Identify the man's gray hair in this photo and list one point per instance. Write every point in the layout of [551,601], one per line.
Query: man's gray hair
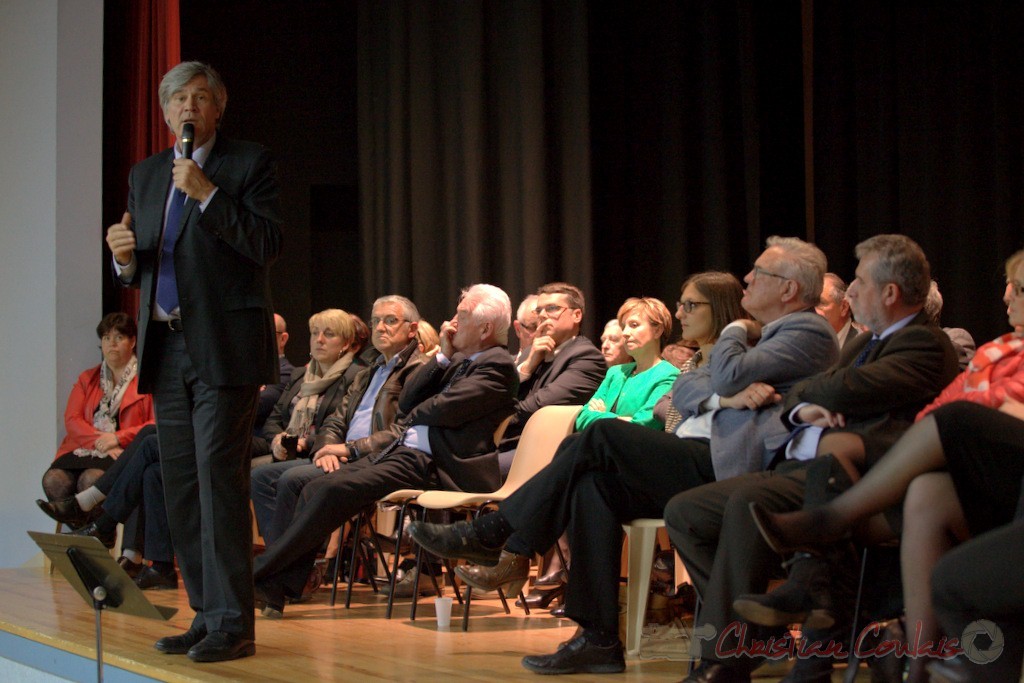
[409,310]
[838,287]
[179,76]
[805,264]
[490,304]
[525,306]
[901,262]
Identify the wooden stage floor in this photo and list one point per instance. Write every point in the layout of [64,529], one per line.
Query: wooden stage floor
[313,641]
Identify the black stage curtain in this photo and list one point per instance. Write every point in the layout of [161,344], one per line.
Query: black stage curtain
[917,130]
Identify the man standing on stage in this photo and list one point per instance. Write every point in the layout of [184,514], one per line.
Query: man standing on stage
[199,237]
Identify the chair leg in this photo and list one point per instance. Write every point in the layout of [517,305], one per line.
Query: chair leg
[465,608]
[853,663]
[353,565]
[451,577]
[641,559]
[337,575]
[694,643]
[397,559]
[416,593]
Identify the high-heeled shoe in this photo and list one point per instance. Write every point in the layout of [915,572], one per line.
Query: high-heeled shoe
[801,531]
[66,511]
[540,599]
[555,577]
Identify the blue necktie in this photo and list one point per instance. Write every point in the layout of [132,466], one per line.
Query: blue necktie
[863,357]
[167,283]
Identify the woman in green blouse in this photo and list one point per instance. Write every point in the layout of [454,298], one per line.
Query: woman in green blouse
[629,391]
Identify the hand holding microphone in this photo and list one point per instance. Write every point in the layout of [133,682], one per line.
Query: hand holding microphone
[187,175]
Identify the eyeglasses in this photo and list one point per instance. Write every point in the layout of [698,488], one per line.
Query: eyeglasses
[1016,287]
[759,271]
[551,310]
[388,320]
[688,305]
[113,338]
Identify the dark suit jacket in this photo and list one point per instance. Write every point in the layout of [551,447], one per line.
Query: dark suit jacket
[570,378]
[462,419]
[222,257]
[385,405]
[879,399]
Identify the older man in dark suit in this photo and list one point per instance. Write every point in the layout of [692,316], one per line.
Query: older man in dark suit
[856,409]
[448,412]
[199,237]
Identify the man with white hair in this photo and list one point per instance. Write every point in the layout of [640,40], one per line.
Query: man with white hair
[448,411]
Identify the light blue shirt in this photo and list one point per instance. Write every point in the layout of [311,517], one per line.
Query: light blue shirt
[362,421]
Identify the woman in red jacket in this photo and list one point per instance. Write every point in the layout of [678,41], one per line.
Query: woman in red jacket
[104,412]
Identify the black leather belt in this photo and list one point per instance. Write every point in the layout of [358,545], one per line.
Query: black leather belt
[175,325]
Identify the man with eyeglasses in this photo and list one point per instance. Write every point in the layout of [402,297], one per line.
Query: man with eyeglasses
[614,471]
[562,367]
[362,423]
[441,437]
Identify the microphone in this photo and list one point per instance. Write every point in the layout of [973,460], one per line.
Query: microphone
[188,136]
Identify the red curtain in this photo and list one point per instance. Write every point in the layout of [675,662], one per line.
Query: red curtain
[153,47]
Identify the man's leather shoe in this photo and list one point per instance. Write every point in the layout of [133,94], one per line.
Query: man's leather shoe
[717,672]
[130,568]
[409,583]
[270,599]
[454,541]
[179,645]
[510,574]
[579,656]
[66,511]
[108,539]
[221,646]
[151,577]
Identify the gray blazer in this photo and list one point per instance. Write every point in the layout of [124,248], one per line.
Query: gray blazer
[791,348]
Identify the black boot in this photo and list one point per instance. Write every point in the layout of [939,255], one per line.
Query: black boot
[805,598]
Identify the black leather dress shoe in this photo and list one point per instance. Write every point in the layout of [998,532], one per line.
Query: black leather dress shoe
[221,646]
[454,541]
[716,672]
[179,645]
[579,656]
[153,578]
[107,538]
[66,511]
[132,569]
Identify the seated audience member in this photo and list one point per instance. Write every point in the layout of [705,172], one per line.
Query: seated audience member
[973,430]
[525,326]
[104,413]
[614,471]
[835,308]
[448,411]
[613,346]
[362,423]
[138,485]
[562,367]
[427,338]
[629,391]
[854,409]
[678,353]
[313,395]
[270,393]
[962,340]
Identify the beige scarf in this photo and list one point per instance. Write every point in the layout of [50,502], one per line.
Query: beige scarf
[314,384]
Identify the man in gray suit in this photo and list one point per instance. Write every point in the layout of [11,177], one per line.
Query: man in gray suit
[614,471]
[858,409]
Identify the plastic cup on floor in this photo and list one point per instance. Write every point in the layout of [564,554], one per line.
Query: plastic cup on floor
[443,610]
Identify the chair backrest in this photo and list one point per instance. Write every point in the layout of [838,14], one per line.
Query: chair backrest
[499,433]
[545,429]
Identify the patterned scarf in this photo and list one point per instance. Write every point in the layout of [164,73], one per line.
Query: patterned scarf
[314,384]
[105,419]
